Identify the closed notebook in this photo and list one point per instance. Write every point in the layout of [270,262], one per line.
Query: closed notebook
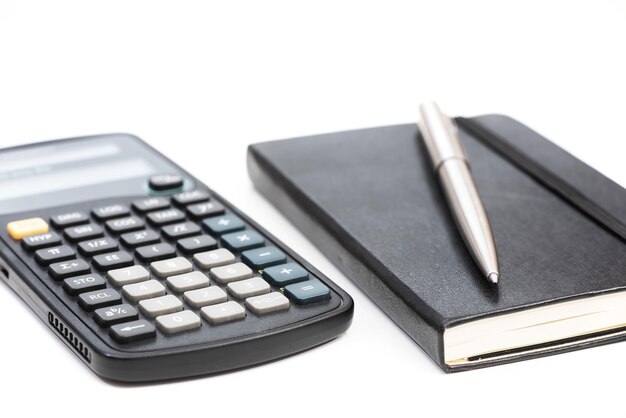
[370,201]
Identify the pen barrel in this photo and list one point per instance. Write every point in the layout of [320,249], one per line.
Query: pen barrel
[469,213]
[440,135]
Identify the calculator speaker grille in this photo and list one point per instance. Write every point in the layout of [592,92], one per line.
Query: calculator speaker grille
[69,336]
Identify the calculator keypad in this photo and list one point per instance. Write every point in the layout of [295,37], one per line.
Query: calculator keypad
[157,264]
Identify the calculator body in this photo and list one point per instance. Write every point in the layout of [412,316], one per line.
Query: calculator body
[65,183]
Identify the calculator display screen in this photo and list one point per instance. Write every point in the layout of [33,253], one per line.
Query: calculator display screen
[43,175]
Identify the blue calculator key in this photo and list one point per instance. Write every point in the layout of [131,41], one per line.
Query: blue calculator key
[307,292]
[222,224]
[263,257]
[243,240]
[285,274]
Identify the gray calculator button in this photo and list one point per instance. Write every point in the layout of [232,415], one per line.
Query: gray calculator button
[187,281]
[161,305]
[151,203]
[128,275]
[270,302]
[231,273]
[110,211]
[171,267]
[224,312]
[214,258]
[247,288]
[178,322]
[205,296]
[143,290]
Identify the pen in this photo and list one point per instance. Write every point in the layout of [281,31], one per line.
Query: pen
[453,170]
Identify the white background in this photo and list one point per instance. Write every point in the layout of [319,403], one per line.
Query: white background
[202,80]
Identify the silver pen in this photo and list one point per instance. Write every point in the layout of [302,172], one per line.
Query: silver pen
[452,169]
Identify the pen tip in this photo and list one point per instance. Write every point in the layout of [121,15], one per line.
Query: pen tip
[493,278]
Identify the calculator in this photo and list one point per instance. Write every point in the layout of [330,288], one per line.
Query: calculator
[144,272]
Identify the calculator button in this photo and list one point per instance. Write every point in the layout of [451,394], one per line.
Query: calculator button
[34,242]
[128,275]
[160,306]
[205,296]
[113,260]
[23,227]
[247,288]
[135,239]
[99,299]
[132,331]
[84,283]
[194,196]
[69,219]
[115,315]
[82,232]
[129,223]
[205,209]
[144,290]
[167,216]
[222,224]
[223,312]
[231,273]
[307,292]
[155,252]
[182,230]
[263,257]
[46,256]
[196,244]
[214,258]
[243,240]
[63,269]
[151,203]
[285,274]
[110,211]
[165,182]
[178,322]
[187,281]
[270,302]
[171,267]
[97,246]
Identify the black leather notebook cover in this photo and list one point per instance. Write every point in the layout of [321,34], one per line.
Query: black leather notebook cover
[370,201]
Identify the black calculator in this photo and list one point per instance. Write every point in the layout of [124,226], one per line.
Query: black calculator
[144,272]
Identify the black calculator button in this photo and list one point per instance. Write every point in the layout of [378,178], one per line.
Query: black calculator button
[129,223]
[167,216]
[84,283]
[263,257]
[194,196]
[113,260]
[63,269]
[110,211]
[115,315]
[243,240]
[134,239]
[307,292]
[83,232]
[161,182]
[155,252]
[223,224]
[69,219]
[97,246]
[181,230]
[46,256]
[205,209]
[90,301]
[34,242]
[133,331]
[196,244]
[151,203]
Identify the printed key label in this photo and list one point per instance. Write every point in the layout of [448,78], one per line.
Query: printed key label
[84,280]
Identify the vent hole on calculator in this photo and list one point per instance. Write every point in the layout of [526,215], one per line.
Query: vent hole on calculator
[69,336]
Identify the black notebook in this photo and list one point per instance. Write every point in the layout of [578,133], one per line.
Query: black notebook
[370,201]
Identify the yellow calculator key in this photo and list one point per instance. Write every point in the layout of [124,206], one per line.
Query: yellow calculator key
[23,227]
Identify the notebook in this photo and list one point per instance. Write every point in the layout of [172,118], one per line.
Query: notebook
[370,201]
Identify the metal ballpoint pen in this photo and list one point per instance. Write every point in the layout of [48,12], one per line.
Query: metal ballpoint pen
[452,169]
